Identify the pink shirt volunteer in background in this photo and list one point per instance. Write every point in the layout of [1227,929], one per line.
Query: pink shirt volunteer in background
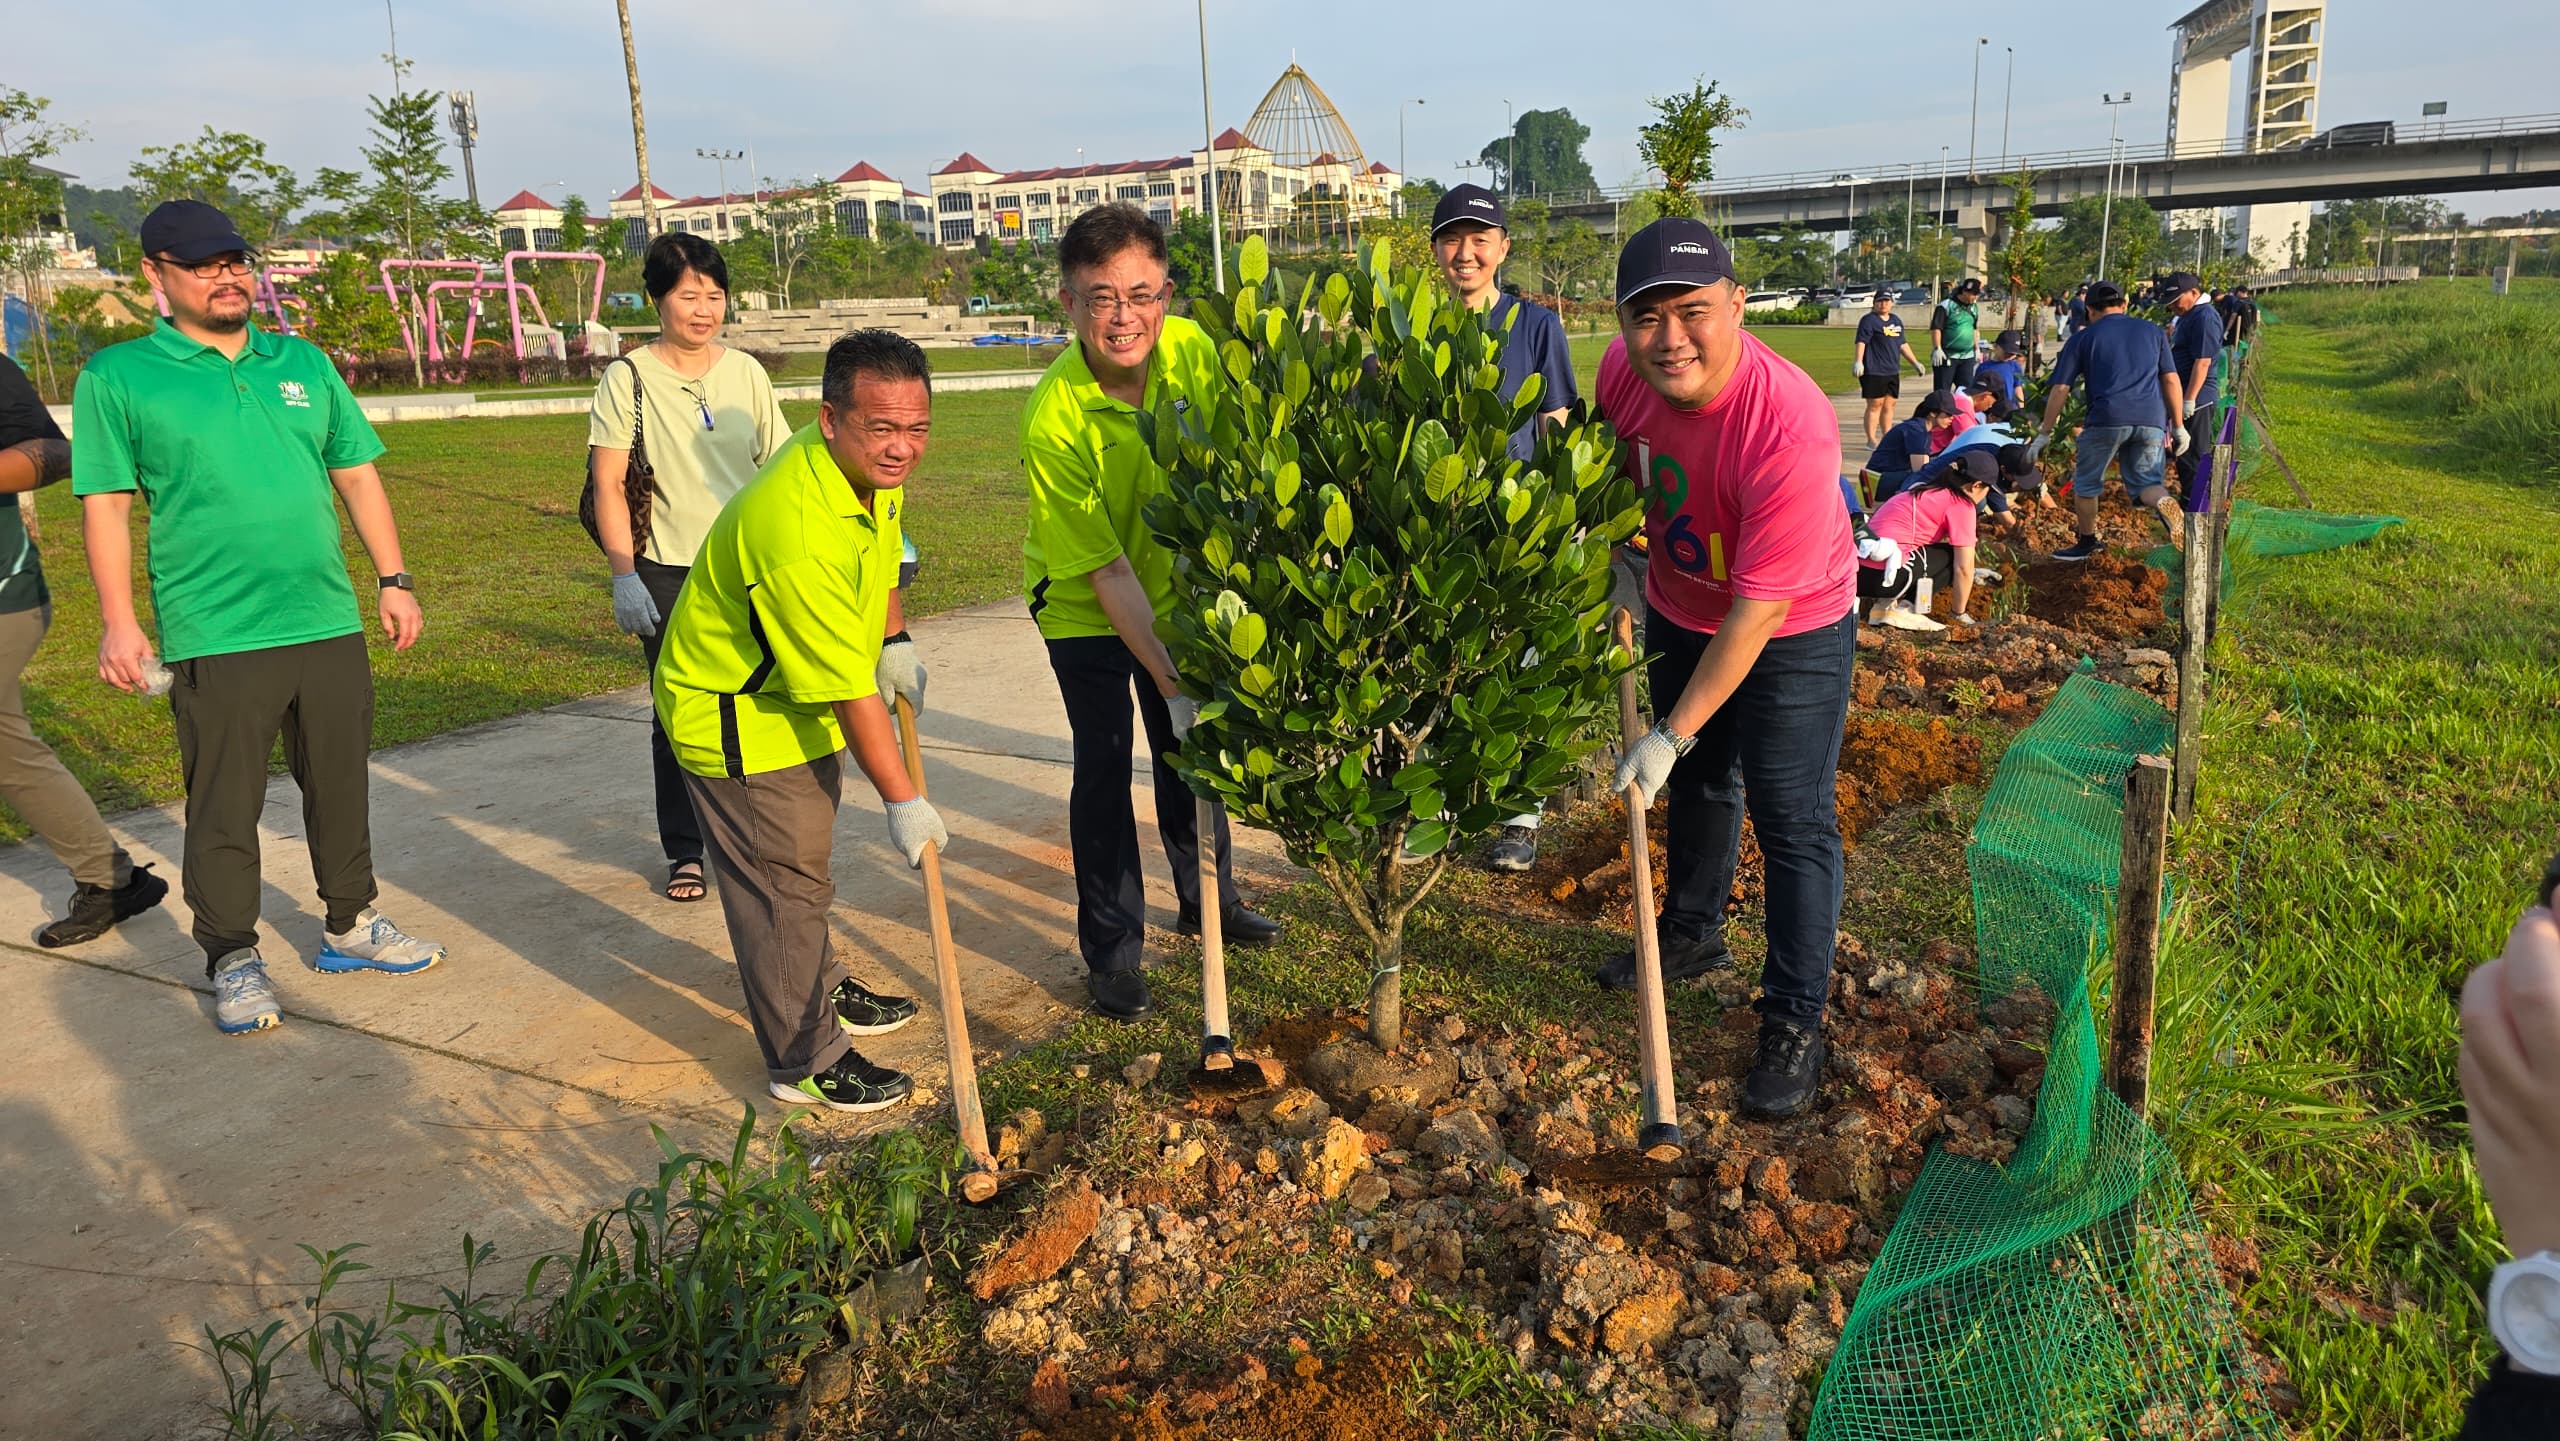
[1745,494]
[1916,518]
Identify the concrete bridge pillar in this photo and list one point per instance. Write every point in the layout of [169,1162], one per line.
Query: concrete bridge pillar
[1973,227]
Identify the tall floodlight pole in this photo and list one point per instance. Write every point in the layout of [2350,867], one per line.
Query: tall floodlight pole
[1510,151]
[1910,203]
[1400,170]
[722,157]
[1217,248]
[1938,262]
[2107,212]
[463,114]
[2008,93]
[639,126]
[1973,121]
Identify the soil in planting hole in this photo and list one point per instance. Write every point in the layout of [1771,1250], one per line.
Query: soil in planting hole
[1358,1398]
[2111,595]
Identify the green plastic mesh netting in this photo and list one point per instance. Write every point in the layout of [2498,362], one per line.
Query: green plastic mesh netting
[2071,1293]
[2259,532]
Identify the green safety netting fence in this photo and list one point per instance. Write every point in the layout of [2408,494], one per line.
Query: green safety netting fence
[2262,531]
[2071,1292]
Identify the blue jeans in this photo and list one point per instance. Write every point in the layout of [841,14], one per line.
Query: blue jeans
[2137,446]
[1772,749]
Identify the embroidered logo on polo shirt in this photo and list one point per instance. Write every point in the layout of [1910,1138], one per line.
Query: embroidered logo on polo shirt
[294,393]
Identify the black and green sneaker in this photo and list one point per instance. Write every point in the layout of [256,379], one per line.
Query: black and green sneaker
[851,1084]
[867,1013]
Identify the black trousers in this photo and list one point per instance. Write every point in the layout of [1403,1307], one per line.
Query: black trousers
[1937,562]
[1095,677]
[230,709]
[679,829]
[2202,431]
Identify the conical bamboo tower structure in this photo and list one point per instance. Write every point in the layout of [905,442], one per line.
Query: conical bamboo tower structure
[1310,143]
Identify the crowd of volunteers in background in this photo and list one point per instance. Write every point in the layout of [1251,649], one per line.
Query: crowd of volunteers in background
[763,569]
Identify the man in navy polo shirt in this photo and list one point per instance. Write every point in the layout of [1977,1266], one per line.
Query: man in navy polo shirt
[1470,237]
[2134,394]
[2195,344]
[1878,360]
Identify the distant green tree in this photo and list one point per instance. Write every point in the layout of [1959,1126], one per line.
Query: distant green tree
[1546,146]
[397,206]
[30,202]
[1187,250]
[224,168]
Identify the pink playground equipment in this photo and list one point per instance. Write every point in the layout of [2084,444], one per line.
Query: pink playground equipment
[588,327]
[471,291]
[279,295]
[410,308]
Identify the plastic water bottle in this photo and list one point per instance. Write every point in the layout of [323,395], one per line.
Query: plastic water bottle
[1927,593]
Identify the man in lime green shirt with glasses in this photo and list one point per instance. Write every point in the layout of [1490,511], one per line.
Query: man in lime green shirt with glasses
[1097,579]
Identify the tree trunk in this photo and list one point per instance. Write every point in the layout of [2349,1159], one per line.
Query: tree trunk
[639,126]
[1386,989]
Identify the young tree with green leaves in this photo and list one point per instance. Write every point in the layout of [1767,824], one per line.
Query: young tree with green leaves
[30,201]
[227,169]
[1681,143]
[398,205]
[1397,631]
[2022,258]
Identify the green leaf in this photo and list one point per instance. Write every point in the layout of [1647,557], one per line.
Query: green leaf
[1247,635]
[1427,838]
[1444,477]
[1284,486]
[1337,518]
[1256,680]
[1297,382]
[1238,359]
[1526,401]
[1253,262]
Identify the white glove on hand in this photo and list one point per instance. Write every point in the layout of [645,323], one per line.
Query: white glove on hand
[901,673]
[1186,713]
[1937,356]
[2175,440]
[633,610]
[1858,367]
[911,824]
[1884,552]
[2035,447]
[1647,764]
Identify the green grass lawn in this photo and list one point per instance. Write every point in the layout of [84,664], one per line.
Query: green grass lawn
[518,615]
[2381,785]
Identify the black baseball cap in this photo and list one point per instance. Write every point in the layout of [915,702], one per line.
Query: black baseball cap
[1936,402]
[2105,295]
[188,231]
[1968,286]
[1979,465]
[1462,204]
[1675,250]
[2179,283]
[2011,341]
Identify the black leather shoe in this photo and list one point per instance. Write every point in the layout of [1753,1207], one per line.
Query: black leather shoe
[1237,926]
[1788,1071]
[1121,995]
[1682,958]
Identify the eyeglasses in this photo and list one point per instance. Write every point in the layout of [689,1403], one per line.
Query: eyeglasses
[1139,300]
[217,267]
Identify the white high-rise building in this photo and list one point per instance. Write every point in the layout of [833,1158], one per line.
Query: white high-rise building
[2281,106]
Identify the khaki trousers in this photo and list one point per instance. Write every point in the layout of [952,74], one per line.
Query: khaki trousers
[771,839]
[32,778]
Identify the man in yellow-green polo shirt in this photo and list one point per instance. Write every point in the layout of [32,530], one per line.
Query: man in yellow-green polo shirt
[770,668]
[1096,581]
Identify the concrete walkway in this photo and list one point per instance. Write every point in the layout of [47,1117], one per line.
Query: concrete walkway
[156,1176]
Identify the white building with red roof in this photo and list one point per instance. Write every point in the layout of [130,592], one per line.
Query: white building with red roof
[1256,191]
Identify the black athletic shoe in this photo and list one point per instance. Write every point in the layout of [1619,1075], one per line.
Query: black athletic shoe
[1682,958]
[96,910]
[1515,850]
[1237,926]
[851,1084]
[1121,995]
[2079,550]
[1788,1071]
[863,1012]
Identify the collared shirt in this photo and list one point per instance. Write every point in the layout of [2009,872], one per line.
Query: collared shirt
[1534,344]
[22,418]
[2121,359]
[2194,336]
[233,456]
[1091,478]
[706,438]
[780,619]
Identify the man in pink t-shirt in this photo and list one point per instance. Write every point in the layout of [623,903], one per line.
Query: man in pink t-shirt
[1748,596]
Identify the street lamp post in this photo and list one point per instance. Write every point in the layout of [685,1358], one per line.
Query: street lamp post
[1209,137]
[1938,260]
[2107,212]
[1973,120]
[1510,151]
[1400,170]
[2008,93]
[723,157]
[1910,203]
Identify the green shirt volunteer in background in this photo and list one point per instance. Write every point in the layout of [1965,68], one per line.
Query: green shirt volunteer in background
[233,456]
[1091,478]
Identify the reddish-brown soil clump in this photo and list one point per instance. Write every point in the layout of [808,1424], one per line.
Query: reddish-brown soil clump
[2112,595]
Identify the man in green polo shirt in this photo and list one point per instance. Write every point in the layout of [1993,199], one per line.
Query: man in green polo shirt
[1097,579]
[243,443]
[770,668]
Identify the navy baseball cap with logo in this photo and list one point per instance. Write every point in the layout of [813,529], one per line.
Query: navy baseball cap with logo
[188,231]
[2179,283]
[1675,250]
[1462,204]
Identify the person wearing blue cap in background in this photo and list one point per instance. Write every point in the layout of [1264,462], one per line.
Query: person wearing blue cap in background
[2135,400]
[2195,345]
[1877,358]
[1470,238]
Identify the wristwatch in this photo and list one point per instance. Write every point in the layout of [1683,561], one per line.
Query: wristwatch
[400,581]
[2524,1312]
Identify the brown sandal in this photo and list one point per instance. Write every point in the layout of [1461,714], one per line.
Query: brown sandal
[684,882]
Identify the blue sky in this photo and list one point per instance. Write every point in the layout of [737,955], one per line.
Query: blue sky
[814,85]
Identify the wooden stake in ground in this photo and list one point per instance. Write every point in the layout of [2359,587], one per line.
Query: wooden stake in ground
[980,1181]
[1660,1139]
[1217,1043]
[2140,884]
[2201,574]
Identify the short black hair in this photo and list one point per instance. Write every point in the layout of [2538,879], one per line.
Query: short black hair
[880,354]
[674,253]
[1103,232]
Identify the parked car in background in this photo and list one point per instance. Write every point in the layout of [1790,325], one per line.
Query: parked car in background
[2361,132]
[1770,300]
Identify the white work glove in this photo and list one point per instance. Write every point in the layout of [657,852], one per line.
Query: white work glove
[900,672]
[911,824]
[1937,356]
[2175,439]
[1858,367]
[1647,764]
[2190,412]
[2035,447]
[1884,552]
[1185,712]
[633,610]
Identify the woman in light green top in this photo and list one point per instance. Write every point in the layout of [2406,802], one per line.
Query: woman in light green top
[708,421]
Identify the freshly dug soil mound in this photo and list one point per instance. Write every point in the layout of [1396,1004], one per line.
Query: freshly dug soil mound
[2112,595]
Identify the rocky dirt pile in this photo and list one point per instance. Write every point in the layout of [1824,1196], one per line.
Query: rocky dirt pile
[1498,1169]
